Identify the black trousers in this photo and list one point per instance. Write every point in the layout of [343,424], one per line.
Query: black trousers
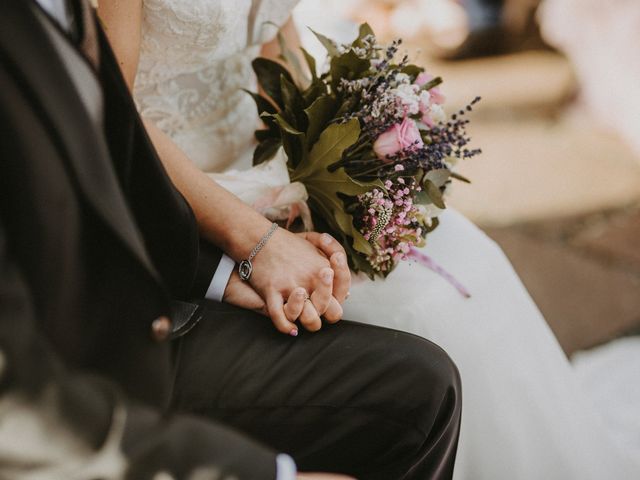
[355,399]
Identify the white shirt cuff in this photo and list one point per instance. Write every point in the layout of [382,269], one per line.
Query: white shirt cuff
[285,467]
[220,279]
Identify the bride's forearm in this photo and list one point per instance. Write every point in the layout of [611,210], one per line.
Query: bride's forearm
[223,218]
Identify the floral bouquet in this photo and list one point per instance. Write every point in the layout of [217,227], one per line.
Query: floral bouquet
[369,140]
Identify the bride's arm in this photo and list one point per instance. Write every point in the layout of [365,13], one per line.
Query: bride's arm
[287,261]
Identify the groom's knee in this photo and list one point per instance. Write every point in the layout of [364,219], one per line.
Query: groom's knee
[433,388]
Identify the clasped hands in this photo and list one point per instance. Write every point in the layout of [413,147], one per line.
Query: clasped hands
[302,276]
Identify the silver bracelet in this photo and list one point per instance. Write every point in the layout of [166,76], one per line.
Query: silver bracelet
[245,269]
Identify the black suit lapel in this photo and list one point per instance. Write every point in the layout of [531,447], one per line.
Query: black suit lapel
[25,47]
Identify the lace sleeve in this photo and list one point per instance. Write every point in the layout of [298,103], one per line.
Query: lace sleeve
[264,16]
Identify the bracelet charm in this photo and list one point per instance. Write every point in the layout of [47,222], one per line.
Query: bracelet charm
[245,268]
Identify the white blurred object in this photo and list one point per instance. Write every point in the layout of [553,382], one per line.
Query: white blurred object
[601,39]
[444,21]
[268,189]
[611,376]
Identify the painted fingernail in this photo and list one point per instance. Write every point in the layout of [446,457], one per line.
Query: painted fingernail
[326,239]
[294,332]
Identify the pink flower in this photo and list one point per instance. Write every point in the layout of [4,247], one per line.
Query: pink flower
[397,138]
[436,95]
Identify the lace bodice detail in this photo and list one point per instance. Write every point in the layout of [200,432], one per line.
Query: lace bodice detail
[195,61]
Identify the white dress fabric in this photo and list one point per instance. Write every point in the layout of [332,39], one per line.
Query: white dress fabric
[524,416]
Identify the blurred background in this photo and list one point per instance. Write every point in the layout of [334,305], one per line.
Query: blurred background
[558,184]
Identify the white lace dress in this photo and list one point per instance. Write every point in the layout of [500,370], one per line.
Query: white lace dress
[524,416]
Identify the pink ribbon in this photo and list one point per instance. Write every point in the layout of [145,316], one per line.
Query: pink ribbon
[430,263]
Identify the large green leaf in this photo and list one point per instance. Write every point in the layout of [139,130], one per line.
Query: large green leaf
[294,141]
[349,66]
[292,60]
[364,30]
[327,43]
[412,70]
[315,91]
[325,188]
[319,115]
[329,148]
[293,105]
[311,63]
[268,73]
[262,104]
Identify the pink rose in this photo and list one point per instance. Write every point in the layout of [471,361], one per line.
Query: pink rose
[398,138]
[436,94]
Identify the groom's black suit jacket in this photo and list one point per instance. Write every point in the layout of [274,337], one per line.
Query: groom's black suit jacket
[80,212]
[93,246]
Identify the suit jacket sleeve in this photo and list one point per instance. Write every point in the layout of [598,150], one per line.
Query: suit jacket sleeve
[163,215]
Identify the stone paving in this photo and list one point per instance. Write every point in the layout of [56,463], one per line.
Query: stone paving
[583,272]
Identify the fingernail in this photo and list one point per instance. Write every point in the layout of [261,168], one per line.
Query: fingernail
[326,239]
[294,332]
[327,278]
[339,259]
[301,294]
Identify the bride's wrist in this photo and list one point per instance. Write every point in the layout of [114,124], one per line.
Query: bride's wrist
[239,239]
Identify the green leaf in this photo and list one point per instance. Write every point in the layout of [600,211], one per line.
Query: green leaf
[364,30]
[327,43]
[316,90]
[292,60]
[439,176]
[434,224]
[422,198]
[293,141]
[268,73]
[432,83]
[434,194]
[266,150]
[293,105]
[325,187]
[319,115]
[348,66]
[265,134]
[311,63]
[459,177]
[262,103]
[412,70]
[329,148]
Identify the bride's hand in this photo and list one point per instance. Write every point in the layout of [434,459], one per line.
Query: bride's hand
[287,265]
[332,249]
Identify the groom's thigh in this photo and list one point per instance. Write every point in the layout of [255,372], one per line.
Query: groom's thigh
[351,398]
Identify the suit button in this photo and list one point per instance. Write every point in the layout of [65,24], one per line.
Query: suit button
[160,329]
